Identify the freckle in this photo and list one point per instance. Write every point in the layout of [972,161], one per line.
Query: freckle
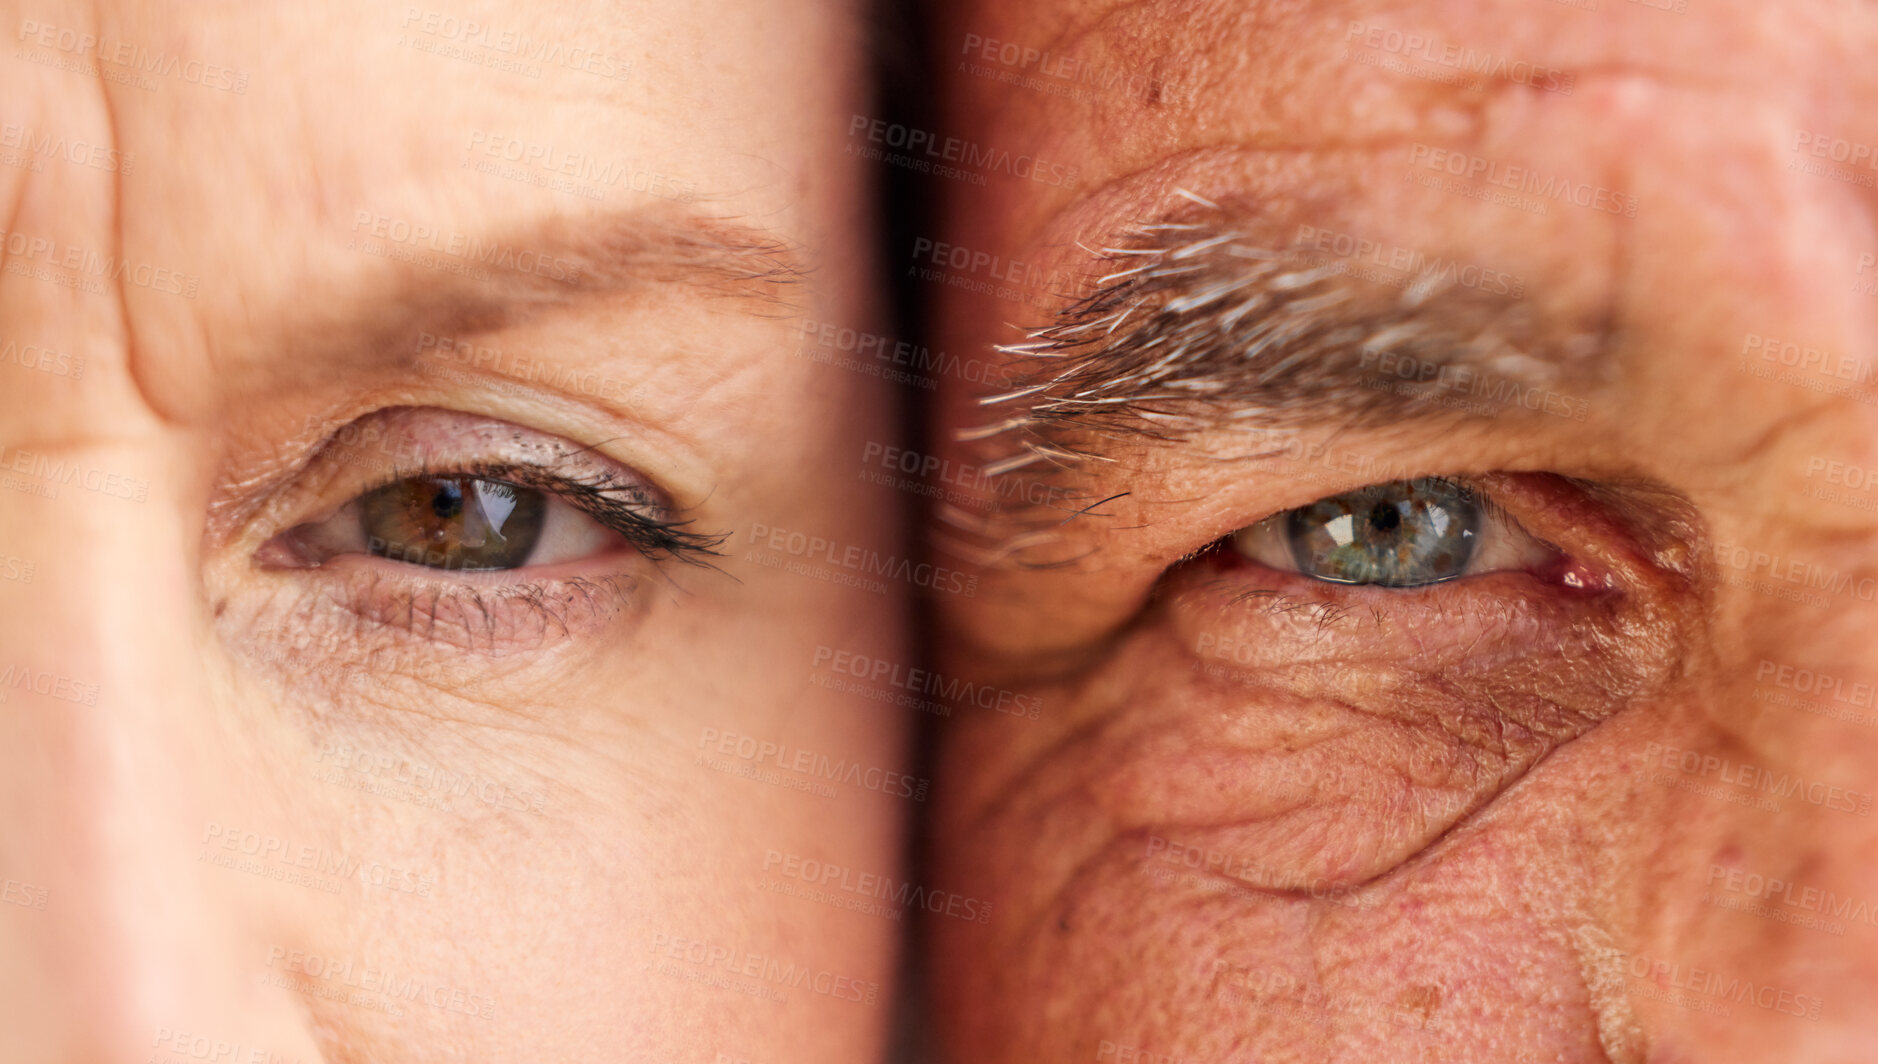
[1422,998]
[220,606]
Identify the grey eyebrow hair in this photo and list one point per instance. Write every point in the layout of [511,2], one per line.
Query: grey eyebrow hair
[1196,324]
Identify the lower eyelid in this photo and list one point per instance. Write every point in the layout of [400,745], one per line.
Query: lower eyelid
[487,613]
[1236,610]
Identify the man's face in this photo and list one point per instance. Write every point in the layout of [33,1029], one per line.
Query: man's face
[374,376]
[1442,542]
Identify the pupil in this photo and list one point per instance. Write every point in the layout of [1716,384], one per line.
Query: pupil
[1385,518]
[448,502]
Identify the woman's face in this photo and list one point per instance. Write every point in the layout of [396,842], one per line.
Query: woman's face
[417,606]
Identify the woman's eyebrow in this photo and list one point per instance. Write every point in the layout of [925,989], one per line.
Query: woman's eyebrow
[1198,325]
[450,285]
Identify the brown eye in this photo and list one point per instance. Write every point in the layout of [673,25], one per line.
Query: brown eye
[453,522]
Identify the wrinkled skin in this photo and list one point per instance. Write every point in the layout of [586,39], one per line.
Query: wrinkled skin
[261,810]
[1266,818]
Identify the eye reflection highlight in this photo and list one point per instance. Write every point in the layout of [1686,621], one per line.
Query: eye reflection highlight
[1402,534]
[453,522]
[1397,535]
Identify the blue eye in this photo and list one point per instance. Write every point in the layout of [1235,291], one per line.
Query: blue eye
[1402,534]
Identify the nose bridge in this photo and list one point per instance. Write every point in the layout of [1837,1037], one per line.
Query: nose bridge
[115,763]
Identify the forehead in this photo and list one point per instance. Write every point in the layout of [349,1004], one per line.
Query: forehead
[369,97]
[1121,86]
[1698,176]
[272,166]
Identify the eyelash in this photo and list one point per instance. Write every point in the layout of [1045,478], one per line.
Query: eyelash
[612,503]
[366,599]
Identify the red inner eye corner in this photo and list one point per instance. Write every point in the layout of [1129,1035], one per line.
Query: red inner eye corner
[1565,571]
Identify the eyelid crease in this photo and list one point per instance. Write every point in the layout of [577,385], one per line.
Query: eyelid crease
[392,444]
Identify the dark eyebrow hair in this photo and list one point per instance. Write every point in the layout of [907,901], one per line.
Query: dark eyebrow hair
[1196,324]
[377,321]
[570,259]
[482,284]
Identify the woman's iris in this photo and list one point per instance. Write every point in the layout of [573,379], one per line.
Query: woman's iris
[453,522]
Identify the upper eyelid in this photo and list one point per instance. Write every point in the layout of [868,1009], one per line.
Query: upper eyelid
[606,490]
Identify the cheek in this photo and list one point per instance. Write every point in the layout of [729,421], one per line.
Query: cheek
[1256,778]
[1309,754]
[1458,958]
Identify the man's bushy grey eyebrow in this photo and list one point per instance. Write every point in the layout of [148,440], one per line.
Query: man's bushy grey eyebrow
[1196,324]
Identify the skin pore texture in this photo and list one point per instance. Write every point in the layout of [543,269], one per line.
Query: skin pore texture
[272,796]
[1528,814]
